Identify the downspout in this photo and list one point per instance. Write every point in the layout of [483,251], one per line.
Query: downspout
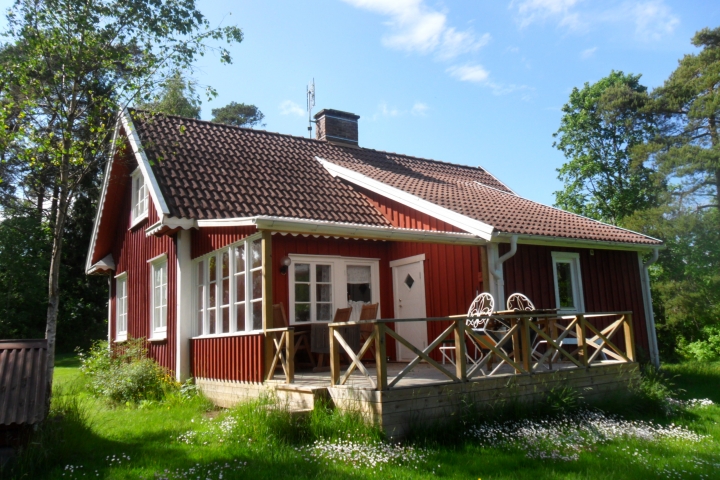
[649,314]
[497,272]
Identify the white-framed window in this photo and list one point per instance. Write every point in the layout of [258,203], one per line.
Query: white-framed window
[228,290]
[139,197]
[319,285]
[158,297]
[121,309]
[568,282]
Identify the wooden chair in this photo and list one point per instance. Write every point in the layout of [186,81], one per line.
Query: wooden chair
[302,338]
[320,336]
[368,312]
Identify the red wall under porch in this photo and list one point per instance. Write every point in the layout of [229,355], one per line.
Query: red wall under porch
[131,252]
[610,278]
[237,358]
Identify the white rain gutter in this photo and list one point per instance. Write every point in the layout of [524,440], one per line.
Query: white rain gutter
[314,227]
[647,303]
[497,287]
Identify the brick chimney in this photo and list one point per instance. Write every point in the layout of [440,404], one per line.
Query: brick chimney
[337,127]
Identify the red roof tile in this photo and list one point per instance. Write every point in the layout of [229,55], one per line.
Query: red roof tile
[211,171]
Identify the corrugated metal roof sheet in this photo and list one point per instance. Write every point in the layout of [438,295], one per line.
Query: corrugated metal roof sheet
[22,381]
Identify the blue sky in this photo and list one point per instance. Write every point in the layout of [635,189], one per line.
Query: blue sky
[469,82]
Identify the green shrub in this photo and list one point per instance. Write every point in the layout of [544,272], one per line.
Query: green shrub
[563,399]
[124,373]
[707,350]
[653,391]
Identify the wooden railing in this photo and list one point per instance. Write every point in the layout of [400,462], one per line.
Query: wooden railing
[283,345]
[527,343]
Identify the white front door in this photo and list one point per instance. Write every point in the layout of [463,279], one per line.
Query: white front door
[409,290]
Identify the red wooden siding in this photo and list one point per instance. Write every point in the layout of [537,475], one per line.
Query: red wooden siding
[208,239]
[610,278]
[403,216]
[453,278]
[131,252]
[123,164]
[238,358]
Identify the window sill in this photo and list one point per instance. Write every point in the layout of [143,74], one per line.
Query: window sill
[121,338]
[138,221]
[225,335]
[158,339]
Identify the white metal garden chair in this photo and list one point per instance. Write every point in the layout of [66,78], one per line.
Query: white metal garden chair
[520,303]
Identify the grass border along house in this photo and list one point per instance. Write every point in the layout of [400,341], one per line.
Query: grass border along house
[201,228]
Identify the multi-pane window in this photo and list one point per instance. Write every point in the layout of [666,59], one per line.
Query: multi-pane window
[568,284]
[229,289]
[313,292]
[121,307]
[319,285]
[139,196]
[159,297]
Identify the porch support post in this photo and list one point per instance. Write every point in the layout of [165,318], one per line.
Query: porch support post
[460,359]
[267,300]
[629,336]
[380,356]
[183,302]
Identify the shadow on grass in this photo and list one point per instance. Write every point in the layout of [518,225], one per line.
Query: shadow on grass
[697,379]
[67,360]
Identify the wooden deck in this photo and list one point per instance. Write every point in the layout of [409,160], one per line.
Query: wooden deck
[593,353]
[422,375]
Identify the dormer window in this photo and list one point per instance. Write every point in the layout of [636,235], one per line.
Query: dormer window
[139,197]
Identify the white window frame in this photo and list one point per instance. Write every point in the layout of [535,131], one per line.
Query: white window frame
[339,282]
[138,190]
[573,259]
[121,301]
[158,332]
[205,288]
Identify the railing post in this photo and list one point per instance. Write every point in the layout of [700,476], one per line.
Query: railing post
[525,344]
[334,358]
[629,337]
[290,355]
[582,341]
[460,358]
[380,356]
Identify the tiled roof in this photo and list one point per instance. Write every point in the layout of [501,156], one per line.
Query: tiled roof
[209,171]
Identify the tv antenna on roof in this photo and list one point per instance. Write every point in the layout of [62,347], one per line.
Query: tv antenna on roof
[310,104]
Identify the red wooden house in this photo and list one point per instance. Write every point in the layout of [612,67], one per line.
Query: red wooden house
[202,227]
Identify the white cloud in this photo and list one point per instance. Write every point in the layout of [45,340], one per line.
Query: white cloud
[588,53]
[416,27]
[386,111]
[652,19]
[531,11]
[469,73]
[419,109]
[288,107]
[477,74]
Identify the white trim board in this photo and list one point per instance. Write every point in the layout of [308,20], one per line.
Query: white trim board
[405,261]
[316,227]
[144,164]
[470,225]
[101,203]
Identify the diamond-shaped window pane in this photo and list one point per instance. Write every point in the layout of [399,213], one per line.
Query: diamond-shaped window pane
[409,281]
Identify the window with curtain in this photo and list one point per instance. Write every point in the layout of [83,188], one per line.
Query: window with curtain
[319,285]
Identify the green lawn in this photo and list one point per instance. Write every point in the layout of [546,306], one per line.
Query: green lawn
[187,439]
